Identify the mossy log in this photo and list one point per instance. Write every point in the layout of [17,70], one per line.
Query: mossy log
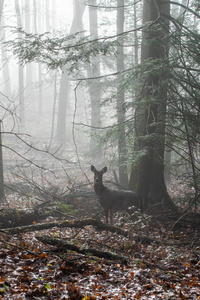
[10,218]
[80,249]
[71,224]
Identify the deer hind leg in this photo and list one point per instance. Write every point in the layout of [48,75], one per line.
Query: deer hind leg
[106,214]
[111,216]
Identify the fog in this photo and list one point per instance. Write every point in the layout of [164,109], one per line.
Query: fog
[70,89]
[99,120]
[46,114]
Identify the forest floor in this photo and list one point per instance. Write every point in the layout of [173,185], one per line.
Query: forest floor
[165,267]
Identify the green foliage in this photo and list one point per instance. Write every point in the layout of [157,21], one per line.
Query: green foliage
[63,208]
[47,286]
[67,208]
[67,51]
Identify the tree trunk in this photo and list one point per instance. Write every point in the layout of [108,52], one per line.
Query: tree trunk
[5,63]
[28,68]
[62,107]
[20,69]
[168,155]
[94,88]
[2,194]
[136,42]
[65,80]
[150,117]
[122,151]
[39,27]
[47,15]
[1,8]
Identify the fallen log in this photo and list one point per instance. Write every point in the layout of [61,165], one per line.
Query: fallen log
[83,250]
[71,224]
[11,217]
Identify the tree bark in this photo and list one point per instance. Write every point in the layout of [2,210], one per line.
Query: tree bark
[122,151]
[150,115]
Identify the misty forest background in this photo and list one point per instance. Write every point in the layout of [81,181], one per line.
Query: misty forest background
[101,82]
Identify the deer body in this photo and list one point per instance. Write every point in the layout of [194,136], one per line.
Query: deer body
[112,199]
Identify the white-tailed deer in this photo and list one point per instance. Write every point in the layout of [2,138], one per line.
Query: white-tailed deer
[111,199]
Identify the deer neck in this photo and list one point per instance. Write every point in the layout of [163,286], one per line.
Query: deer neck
[98,188]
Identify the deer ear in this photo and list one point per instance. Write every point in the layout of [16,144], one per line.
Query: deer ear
[104,170]
[92,168]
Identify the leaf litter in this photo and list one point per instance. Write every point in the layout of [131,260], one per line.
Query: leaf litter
[166,268]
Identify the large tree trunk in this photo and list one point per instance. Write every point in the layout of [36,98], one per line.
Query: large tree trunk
[150,118]
[122,151]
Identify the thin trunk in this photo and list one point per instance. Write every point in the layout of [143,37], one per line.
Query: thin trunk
[28,92]
[54,109]
[2,194]
[136,46]
[1,8]
[61,135]
[39,13]
[94,88]
[54,15]
[5,64]
[20,69]
[47,15]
